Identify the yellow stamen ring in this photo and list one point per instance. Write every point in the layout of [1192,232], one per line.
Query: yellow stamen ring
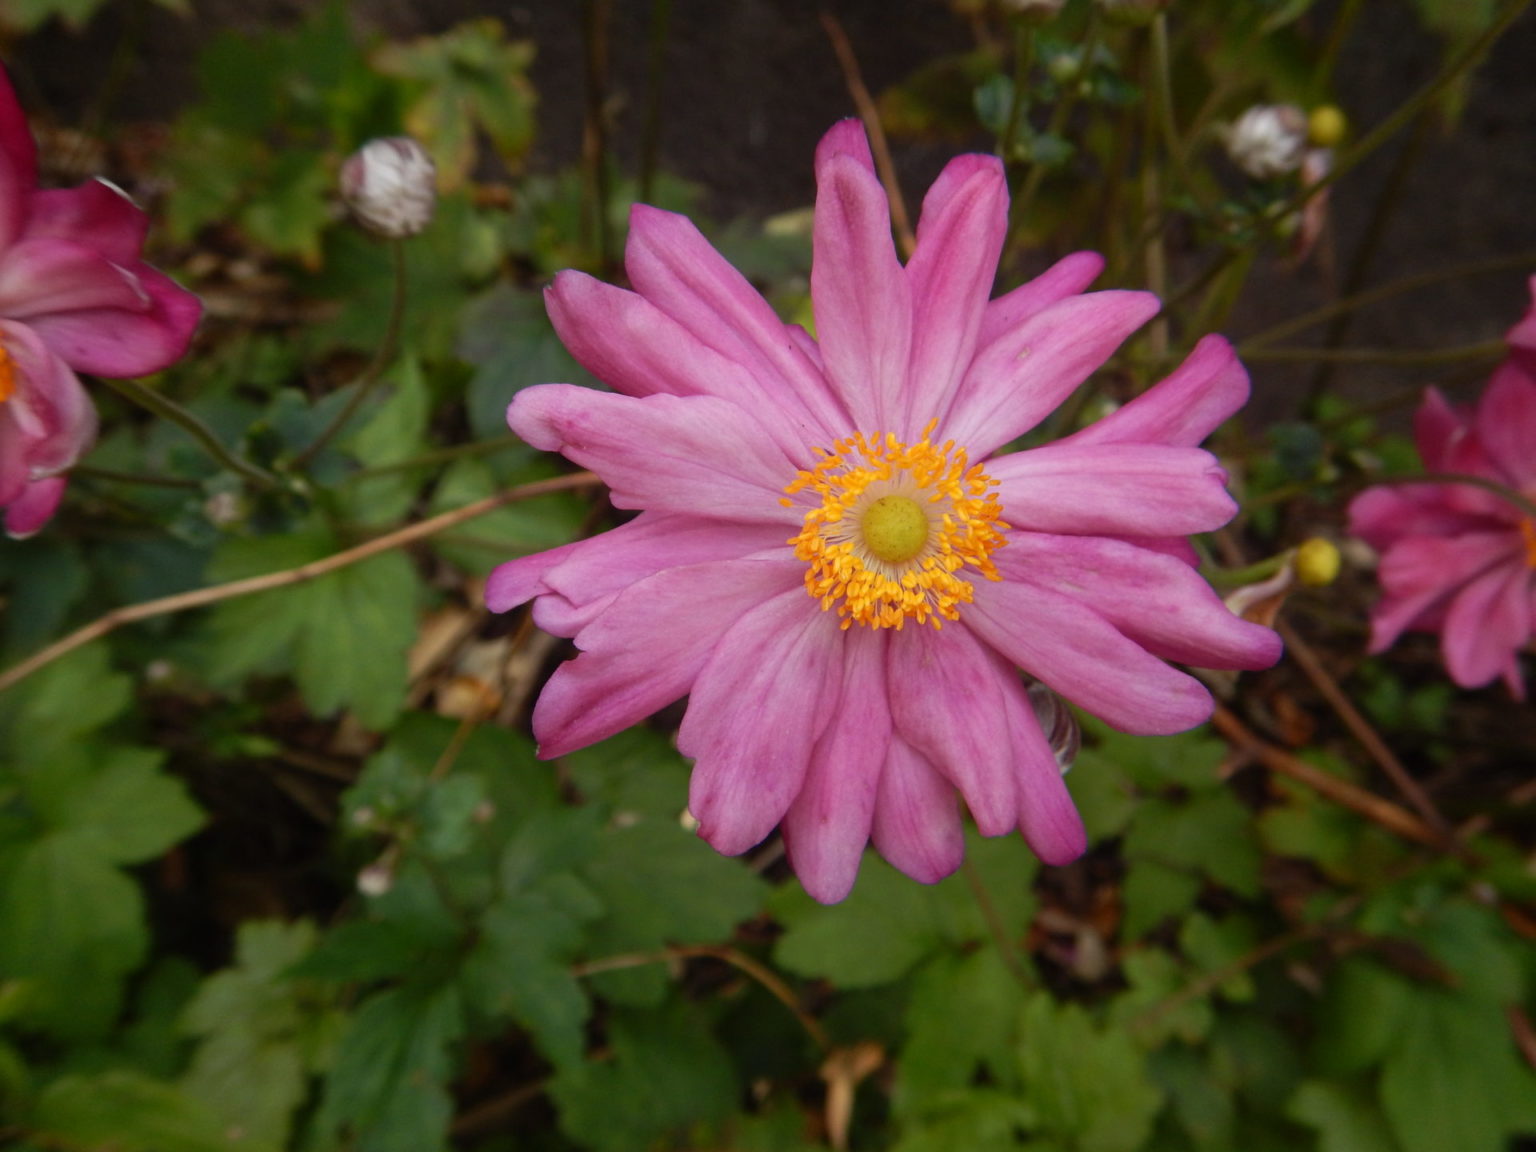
[1528,530]
[898,528]
[7,375]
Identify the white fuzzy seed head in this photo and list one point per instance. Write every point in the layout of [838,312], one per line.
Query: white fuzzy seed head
[1268,140]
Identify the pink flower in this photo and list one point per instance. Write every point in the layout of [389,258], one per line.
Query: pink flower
[1458,559]
[74,296]
[812,510]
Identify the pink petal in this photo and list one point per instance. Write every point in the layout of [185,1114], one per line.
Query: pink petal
[1522,337]
[1157,601]
[1420,573]
[675,268]
[947,701]
[96,214]
[1181,410]
[1488,622]
[588,574]
[15,137]
[1506,425]
[42,276]
[1067,277]
[845,138]
[1047,817]
[1085,659]
[636,348]
[959,239]
[1383,516]
[1112,490]
[25,515]
[828,825]
[1019,379]
[647,649]
[113,342]
[757,709]
[1436,426]
[53,416]
[917,822]
[862,300]
[691,454]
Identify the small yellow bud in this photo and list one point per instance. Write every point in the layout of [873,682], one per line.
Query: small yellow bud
[1317,562]
[1326,126]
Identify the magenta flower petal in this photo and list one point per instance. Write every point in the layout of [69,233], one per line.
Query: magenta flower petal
[1019,379]
[1423,572]
[862,299]
[42,276]
[752,725]
[959,239]
[675,268]
[832,563]
[95,214]
[947,700]
[1483,617]
[636,663]
[1157,601]
[1113,489]
[917,822]
[26,514]
[828,825]
[116,342]
[16,143]
[1086,659]
[695,454]
[1181,410]
[1506,425]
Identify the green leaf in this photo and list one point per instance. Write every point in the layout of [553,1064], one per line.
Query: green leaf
[1455,1079]
[1207,835]
[515,530]
[74,929]
[126,1112]
[1085,1084]
[292,209]
[396,432]
[663,885]
[344,636]
[1346,1121]
[1189,760]
[981,1120]
[667,1073]
[637,774]
[1361,1017]
[387,1087]
[939,1059]
[1155,1007]
[122,810]
[66,700]
[259,1034]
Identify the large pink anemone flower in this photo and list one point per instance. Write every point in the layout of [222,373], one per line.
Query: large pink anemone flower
[74,296]
[1460,559]
[833,560]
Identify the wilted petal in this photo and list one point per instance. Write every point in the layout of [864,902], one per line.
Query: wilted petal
[758,708]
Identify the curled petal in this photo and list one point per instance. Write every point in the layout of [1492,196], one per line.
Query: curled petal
[829,823]
[1112,490]
[758,708]
[917,821]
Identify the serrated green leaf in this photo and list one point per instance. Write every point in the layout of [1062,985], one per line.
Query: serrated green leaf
[1155,1007]
[388,1086]
[127,1112]
[1085,1085]
[396,432]
[667,1073]
[67,699]
[293,208]
[1216,946]
[982,1120]
[1455,1079]
[1363,1009]
[637,774]
[662,885]
[1345,1119]
[122,810]
[515,530]
[1189,760]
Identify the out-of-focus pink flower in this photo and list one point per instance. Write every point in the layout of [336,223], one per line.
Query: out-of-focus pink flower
[812,510]
[74,296]
[1458,559]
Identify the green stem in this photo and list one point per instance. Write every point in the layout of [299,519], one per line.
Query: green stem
[1020,206]
[438,456]
[1523,503]
[89,472]
[166,408]
[1384,292]
[1248,574]
[650,139]
[1486,349]
[1338,33]
[363,386]
[1023,57]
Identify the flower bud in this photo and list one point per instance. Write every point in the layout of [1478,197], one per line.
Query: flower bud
[391,186]
[1268,140]
[1317,562]
[1326,126]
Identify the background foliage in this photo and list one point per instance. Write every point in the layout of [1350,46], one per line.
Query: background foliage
[282,870]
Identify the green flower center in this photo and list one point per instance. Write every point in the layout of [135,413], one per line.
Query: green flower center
[895,528]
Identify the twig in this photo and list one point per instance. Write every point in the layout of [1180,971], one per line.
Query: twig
[870,114]
[199,597]
[1388,815]
[1410,357]
[1360,727]
[166,408]
[770,980]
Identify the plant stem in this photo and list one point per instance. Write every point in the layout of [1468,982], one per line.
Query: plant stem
[167,409]
[1484,349]
[363,386]
[650,139]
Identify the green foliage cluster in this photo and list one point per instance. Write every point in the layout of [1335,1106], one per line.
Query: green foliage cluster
[268,883]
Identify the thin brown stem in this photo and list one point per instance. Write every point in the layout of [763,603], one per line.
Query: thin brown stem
[200,597]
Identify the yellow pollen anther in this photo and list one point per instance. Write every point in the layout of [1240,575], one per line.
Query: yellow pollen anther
[7,375]
[1528,530]
[898,530]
